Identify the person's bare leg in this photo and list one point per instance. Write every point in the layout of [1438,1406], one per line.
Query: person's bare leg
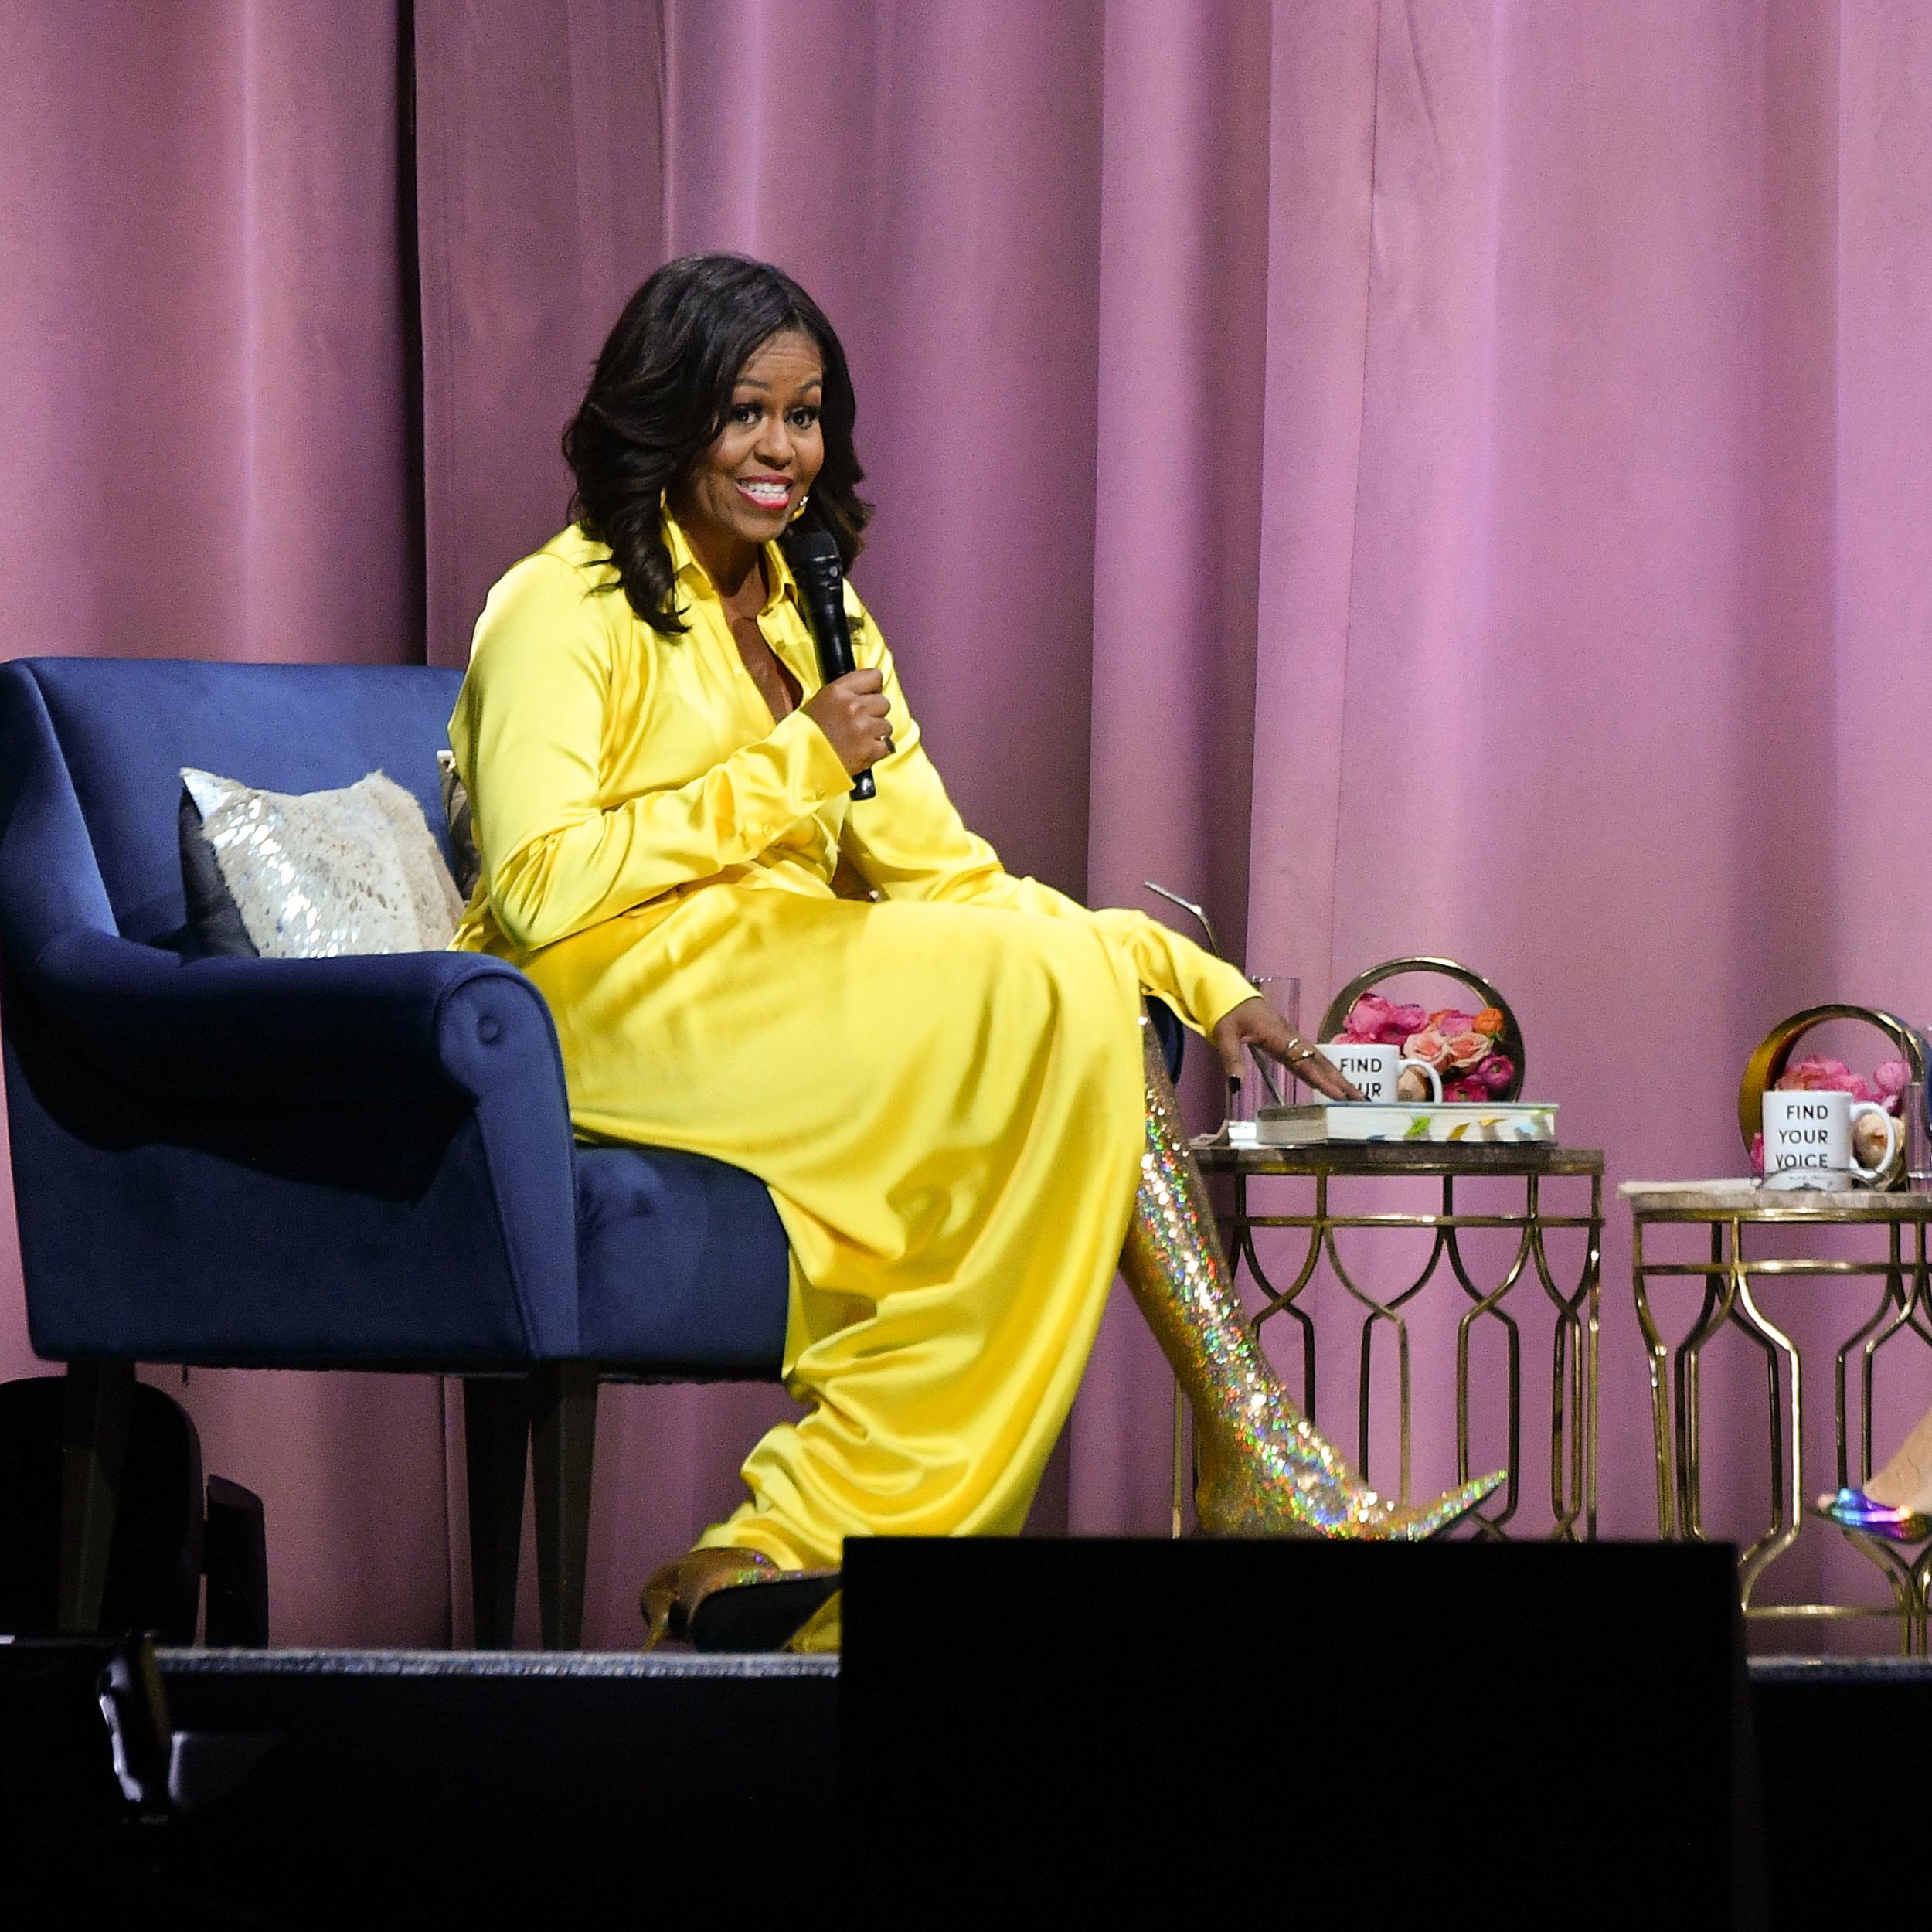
[1905,1481]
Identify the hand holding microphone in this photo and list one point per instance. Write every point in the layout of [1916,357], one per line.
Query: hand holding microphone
[852,711]
[849,710]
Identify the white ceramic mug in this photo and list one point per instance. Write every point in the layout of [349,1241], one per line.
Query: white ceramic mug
[1375,1069]
[1807,1139]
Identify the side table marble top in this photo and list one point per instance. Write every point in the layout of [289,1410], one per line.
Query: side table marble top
[1726,1198]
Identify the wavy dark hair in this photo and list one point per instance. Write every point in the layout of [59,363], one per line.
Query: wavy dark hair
[658,400]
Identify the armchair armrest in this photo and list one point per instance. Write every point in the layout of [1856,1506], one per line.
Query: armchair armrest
[270,1030]
[375,1038]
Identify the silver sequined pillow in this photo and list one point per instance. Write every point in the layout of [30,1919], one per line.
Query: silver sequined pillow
[314,875]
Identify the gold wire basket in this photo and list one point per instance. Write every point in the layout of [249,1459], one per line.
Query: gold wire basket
[1772,1054]
[1508,1042]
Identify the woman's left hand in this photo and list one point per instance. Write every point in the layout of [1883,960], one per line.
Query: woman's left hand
[1255,1023]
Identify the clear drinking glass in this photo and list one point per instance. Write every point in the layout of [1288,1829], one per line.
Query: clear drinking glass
[1264,1082]
[1918,1139]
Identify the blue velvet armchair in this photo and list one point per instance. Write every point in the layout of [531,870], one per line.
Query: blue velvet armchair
[319,1164]
[355,1162]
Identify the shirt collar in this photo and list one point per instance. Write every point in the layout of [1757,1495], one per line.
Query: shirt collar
[688,572]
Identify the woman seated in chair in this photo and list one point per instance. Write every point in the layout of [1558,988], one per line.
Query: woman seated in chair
[946,1079]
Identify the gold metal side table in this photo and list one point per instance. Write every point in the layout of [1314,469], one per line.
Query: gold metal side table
[1726,1208]
[1573,1383]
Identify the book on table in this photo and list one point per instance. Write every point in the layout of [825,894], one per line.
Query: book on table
[1509,1124]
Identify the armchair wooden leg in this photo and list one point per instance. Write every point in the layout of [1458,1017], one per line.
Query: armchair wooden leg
[564,1421]
[93,1445]
[496,1445]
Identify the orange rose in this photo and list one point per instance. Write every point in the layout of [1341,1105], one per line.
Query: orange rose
[1428,1045]
[1489,1021]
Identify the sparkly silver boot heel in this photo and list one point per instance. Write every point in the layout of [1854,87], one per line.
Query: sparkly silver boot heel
[1266,1469]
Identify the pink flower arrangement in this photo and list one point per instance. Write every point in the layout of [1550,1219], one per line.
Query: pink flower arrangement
[1461,1047]
[1814,1074]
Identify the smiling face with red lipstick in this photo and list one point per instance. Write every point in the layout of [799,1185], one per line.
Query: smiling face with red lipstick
[722,394]
[746,486]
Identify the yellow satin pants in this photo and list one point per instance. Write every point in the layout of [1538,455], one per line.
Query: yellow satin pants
[945,1101]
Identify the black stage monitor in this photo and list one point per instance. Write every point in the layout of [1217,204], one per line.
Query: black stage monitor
[1413,1735]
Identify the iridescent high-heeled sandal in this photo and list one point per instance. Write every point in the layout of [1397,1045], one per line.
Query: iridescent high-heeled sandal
[1266,1469]
[733,1599]
[1853,1509]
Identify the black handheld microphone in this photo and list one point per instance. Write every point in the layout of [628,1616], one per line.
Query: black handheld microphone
[820,571]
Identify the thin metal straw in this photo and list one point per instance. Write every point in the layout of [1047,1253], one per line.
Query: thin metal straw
[1214,946]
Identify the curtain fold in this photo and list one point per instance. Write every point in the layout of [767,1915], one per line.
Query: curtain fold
[539,200]
[1416,476]
[1177,568]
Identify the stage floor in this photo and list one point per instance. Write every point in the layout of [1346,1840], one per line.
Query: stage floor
[669,1665]
[673,1664]
[431,1787]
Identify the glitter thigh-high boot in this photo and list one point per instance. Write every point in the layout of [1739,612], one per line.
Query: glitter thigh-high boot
[1265,1469]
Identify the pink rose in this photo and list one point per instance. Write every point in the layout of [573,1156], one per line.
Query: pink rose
[1860,1088]
[1496,1073]
[1429,1045]
[1412,1019]
[1470,1092]
[1757,1153]
[1367,1017]
[1814,1074]
[1466,1049]
[1392,1034]
[1449,1022]
[1891,1076]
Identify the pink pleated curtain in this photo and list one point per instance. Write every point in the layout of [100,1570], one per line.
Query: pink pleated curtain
[1450,476]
